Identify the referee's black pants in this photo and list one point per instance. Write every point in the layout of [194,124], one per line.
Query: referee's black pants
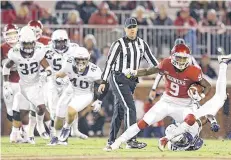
[124,106]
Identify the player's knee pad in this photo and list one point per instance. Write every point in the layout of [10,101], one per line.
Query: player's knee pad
[9,117]
[190,119]
[16,116]
[142,124]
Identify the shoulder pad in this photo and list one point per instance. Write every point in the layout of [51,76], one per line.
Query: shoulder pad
[74,45]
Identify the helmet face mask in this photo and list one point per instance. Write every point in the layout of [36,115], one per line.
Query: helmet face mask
[28,49]
[81,63]
[60,40]
[60,45]
[27,42]
[10,34]
[180,56]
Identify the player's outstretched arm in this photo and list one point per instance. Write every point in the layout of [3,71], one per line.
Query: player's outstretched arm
[147,71]
[6,69]
[206,85]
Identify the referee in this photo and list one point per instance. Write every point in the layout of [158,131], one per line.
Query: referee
[125,55]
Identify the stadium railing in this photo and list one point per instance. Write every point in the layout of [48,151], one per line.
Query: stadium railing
[159,38]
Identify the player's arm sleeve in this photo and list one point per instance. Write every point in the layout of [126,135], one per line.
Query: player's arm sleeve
[157,81]
[7,66]
[148,56]
[114,51]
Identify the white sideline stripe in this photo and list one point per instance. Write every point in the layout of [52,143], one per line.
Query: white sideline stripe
[125,104]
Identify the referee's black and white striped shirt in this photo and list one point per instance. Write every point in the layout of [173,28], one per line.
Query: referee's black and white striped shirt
[126,53]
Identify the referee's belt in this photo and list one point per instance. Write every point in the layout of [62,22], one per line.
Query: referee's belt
[133,78]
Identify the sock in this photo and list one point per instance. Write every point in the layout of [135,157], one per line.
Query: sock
[48,123]
[129,133]
[68,126]
[15,129]
[31,126]
[182,128]
[25,127]
[57,133]
[74,127]
[212,119]
[40,125]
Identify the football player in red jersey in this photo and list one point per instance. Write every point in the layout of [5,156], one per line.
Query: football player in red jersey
[179,75]
[10,34]
[37,26]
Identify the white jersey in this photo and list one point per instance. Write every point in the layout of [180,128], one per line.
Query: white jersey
[28,68]
[82,83]
[56,59]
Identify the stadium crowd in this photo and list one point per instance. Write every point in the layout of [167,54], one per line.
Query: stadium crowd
[198,14]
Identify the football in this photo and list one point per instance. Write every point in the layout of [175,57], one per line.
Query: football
[196,87]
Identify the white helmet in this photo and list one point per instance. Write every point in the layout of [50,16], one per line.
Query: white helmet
[82,57]
[60,40]
[169,131]
[27,41]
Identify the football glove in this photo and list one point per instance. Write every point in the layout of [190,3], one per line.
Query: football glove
[215,127]
[196,96]
[97,105]
[8,92]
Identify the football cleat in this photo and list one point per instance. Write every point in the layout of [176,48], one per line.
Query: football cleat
[15,137]
[31,140]
[162,143]
[63,142]
[79,135]
[45,135]
[54,141]
[134,144]
[224,58]
[64,134]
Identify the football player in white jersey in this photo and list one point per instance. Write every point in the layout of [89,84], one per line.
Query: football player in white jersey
[80,93]
[58,51]
[191,140]
[27,56]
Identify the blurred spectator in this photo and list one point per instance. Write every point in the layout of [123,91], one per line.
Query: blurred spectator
[22,15]
[220,8]
[86,9]
[162,17]
[8,13]
[90,44]
[47,17]
[73,18]
[163,37]
[157,129]
[35,10]
[133,4]
[206,68]
[63,7]
[228,16]
[139,14]
[114,4]
[103,16]
[189,35]
[198,8]
[96,127]
[66,5]
[102,60]
[211,20]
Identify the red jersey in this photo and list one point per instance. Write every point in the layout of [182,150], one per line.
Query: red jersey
[14,77]
[44,40]
[178,83]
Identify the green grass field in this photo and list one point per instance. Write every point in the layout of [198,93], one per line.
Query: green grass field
[92,149]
